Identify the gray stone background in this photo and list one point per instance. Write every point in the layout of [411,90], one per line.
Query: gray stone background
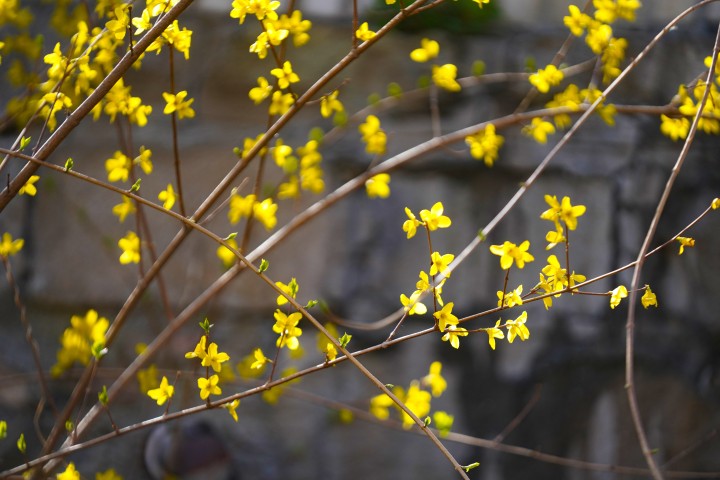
[357,259]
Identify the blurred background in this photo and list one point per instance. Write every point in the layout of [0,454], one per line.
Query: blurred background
[567,380]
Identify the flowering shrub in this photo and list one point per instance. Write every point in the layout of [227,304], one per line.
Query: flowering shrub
[82,75]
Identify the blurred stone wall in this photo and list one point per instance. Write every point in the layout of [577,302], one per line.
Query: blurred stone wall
[357,259]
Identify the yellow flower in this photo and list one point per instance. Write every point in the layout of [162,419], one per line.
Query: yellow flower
[562,211]
[231,407]
[264,212]
[177,103]
[517,328]
[453,334]
[444,77]
[167,196]
[144,160]
[410,225]
[445,317]
[122,210]
[69,473]
[685,242]
[440,263]
[577,21]
[364,33]
[108,474]
[418,402]
[510,299]
[674,128]
[379,406]
[285,75]
[118,167]
[330,104]
[428,50]
[649,299]
[209,386]
[9,247]
[616,295]
[280,103]
[412,306]
[493,333]
[435,380]
[148,378]
[481,3]
[434,217]
[118,25]
[546,78]
[286,327]
[29,187]
[374,136]
[509,252]
[291,289]
[130,245]
[715,204]
[163,393]
[442,420]
[226,256]
[200,349]
[485,145]
[261,92]
[539,129]
[260,359]
[378,186]
[214,358]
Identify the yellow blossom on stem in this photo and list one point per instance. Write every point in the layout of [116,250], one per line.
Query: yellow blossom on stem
[213,358]
[485,145]
[443,421]
[290,289]
[440,263]
[378,186]
[715,204]
[373,135]
[493,333]
[539,129]
[226,256]
[118,25]
[509,253]
[364,33]
[428,50]
[562,211]
[130,245]
[261,92]
[29,188]
[546,77]
[379,406]
[444,77]
[260,359]
[118,167]
[232,407]
[70,473]
[434,217]
[178,104]
[285,75]
[685,242]
[411,304]
[510,299]
[649,299]
[264,212]
[240,207]
[9,247]
[435,380]
[286,327]
[280,103]
[297,27]
[445,317]
[330,104]
[410,225]
[200,350]
[577,21]
[163,393]
[674,128]
[417,401]
[616,295]
[209,386]
[453,334]
[167,196]
[517,328]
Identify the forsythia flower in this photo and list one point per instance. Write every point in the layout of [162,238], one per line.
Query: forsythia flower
[286,327]
[280,103]
[231,407]
[685,242]
[440,263]
[29,187]
[9,247]
[167,196]
[510,299]
[163,393]
[70,473]
[562,211]
[177,103]
[444,77]
[261,92]
[130,245]
[428,50]
[412,306]
[577,21]
[434,217]
[715,204]
[410,225]
[378,186]
[443,420]
[240,207]
[435,380]
[493,333]
[264,212]
[674,128]
[291,289]
[200,350]
[379,406]
[517,328]
[539,129]
[485,145]
[546,78]
[364,33]
[418,402]
[445,317]
[373,135]
[122,210]
[213,358]
[118,167]
[285,75]
[453,334]
[330,104]
[226,256]
[648,299]
[209,386]
[510,252]
[616,295]
[260,359]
